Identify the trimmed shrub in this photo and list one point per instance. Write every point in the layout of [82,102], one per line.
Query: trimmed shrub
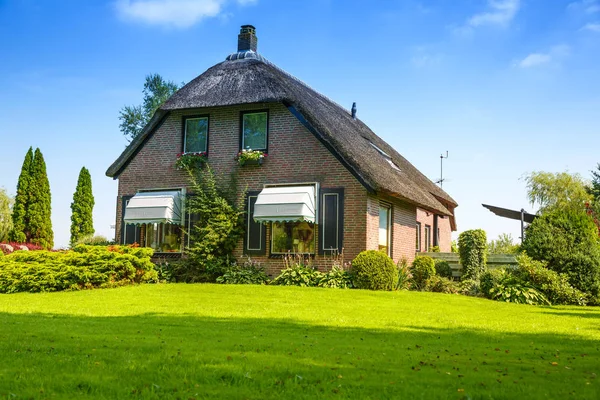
[249,273]
[84,267]
[374,270]
[472,249]
[422,269]
[442,268]
[553,285]
[440,284]
[568,241]
[95,241]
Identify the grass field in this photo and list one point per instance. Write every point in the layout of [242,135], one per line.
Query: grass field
[265,342]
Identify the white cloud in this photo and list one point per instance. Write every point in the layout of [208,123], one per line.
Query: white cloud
[587,6]
[592,27]
[539,59]
[175,13]
[499,13]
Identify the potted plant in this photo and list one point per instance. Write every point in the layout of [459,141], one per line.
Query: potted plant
[190,161]
[250,157]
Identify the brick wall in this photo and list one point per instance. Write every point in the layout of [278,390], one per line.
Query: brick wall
[445,238]
[295,156]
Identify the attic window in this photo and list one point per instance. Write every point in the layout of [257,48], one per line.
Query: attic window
[387,157]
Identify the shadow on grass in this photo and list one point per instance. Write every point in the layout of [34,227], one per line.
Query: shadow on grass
[191,357]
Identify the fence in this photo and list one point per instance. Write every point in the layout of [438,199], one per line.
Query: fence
[493,260]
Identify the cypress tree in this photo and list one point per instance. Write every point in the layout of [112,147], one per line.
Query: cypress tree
[40,224]
[82,223]
[20,232]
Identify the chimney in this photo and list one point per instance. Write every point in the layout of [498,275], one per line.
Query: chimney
[247,39]
[353,110]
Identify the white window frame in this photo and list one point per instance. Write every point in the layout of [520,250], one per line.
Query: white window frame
[185,121]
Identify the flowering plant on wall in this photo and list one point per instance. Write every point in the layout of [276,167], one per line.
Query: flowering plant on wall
[187,161]
[249,156]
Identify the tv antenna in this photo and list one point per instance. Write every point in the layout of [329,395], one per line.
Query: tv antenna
[441,180]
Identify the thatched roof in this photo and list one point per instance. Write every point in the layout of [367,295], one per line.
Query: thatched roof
[248,78]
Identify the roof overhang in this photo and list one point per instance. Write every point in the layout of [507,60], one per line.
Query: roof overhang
[154,207]
[286,203]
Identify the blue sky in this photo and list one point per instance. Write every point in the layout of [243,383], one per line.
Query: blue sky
[506,86]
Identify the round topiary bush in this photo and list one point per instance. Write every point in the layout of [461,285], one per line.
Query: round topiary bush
[443,269]
[374,270]
[423,268]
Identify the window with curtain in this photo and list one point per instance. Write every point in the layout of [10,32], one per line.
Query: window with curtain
[295,237]
[385,236]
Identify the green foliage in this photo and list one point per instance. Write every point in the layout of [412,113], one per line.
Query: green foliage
[470,287]
[249,273]
[97,240]
[156,92]
[503,245]
[440,284]
[20,212]
[297,272]
[84,267]
[442,268]
[557,191]
[335,278]
[404,274]
[490,278]
[434,249]
[517,292]
[472,249]
[6,223]
[568,241]
[39,213]
[374,270]
[82,223]
[422,269]
[454,246]
[594,188]
[553,285]
[218,228]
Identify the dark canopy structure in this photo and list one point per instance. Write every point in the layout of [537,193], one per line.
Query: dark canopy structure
[513,214]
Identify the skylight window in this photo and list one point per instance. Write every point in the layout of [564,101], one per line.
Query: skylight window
[387,157]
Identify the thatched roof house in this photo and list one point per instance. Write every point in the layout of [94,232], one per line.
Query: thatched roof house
[247,78]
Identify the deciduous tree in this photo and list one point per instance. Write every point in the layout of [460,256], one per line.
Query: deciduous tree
[557,191]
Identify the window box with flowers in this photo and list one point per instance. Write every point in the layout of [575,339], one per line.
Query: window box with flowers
[190,161]
[250,157]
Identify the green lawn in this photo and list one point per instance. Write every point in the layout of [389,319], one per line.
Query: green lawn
[264,342]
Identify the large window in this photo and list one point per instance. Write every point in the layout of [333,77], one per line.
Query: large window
[385,232]
[254,130]
[195,135]
[295,237]
[418,248]
[427,237]
[163,238]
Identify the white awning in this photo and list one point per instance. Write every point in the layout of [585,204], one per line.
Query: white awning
[154,207]
[285,203]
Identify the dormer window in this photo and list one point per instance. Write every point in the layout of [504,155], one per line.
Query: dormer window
[195,134]
[255,130]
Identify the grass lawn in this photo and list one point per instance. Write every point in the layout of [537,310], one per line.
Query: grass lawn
[264,342]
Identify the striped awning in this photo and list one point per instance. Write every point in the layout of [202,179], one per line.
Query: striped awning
[285,203]
[154,207]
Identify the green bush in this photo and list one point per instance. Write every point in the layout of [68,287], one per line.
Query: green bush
[440,284]
[336,278]
[442,268]
[492,277]
[423,268]
[95,241]
[553,285]
[434,249]
[512,291]
[404,274]
[84,267]
[297,275]
[470,287]
[472,249]
[374,270]
[250,273]
[568,241]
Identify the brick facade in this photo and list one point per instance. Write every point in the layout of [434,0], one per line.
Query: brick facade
[295,155]
[445,232]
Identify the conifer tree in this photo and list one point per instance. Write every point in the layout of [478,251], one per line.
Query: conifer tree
[82,223]
[20,232]
[40,224]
